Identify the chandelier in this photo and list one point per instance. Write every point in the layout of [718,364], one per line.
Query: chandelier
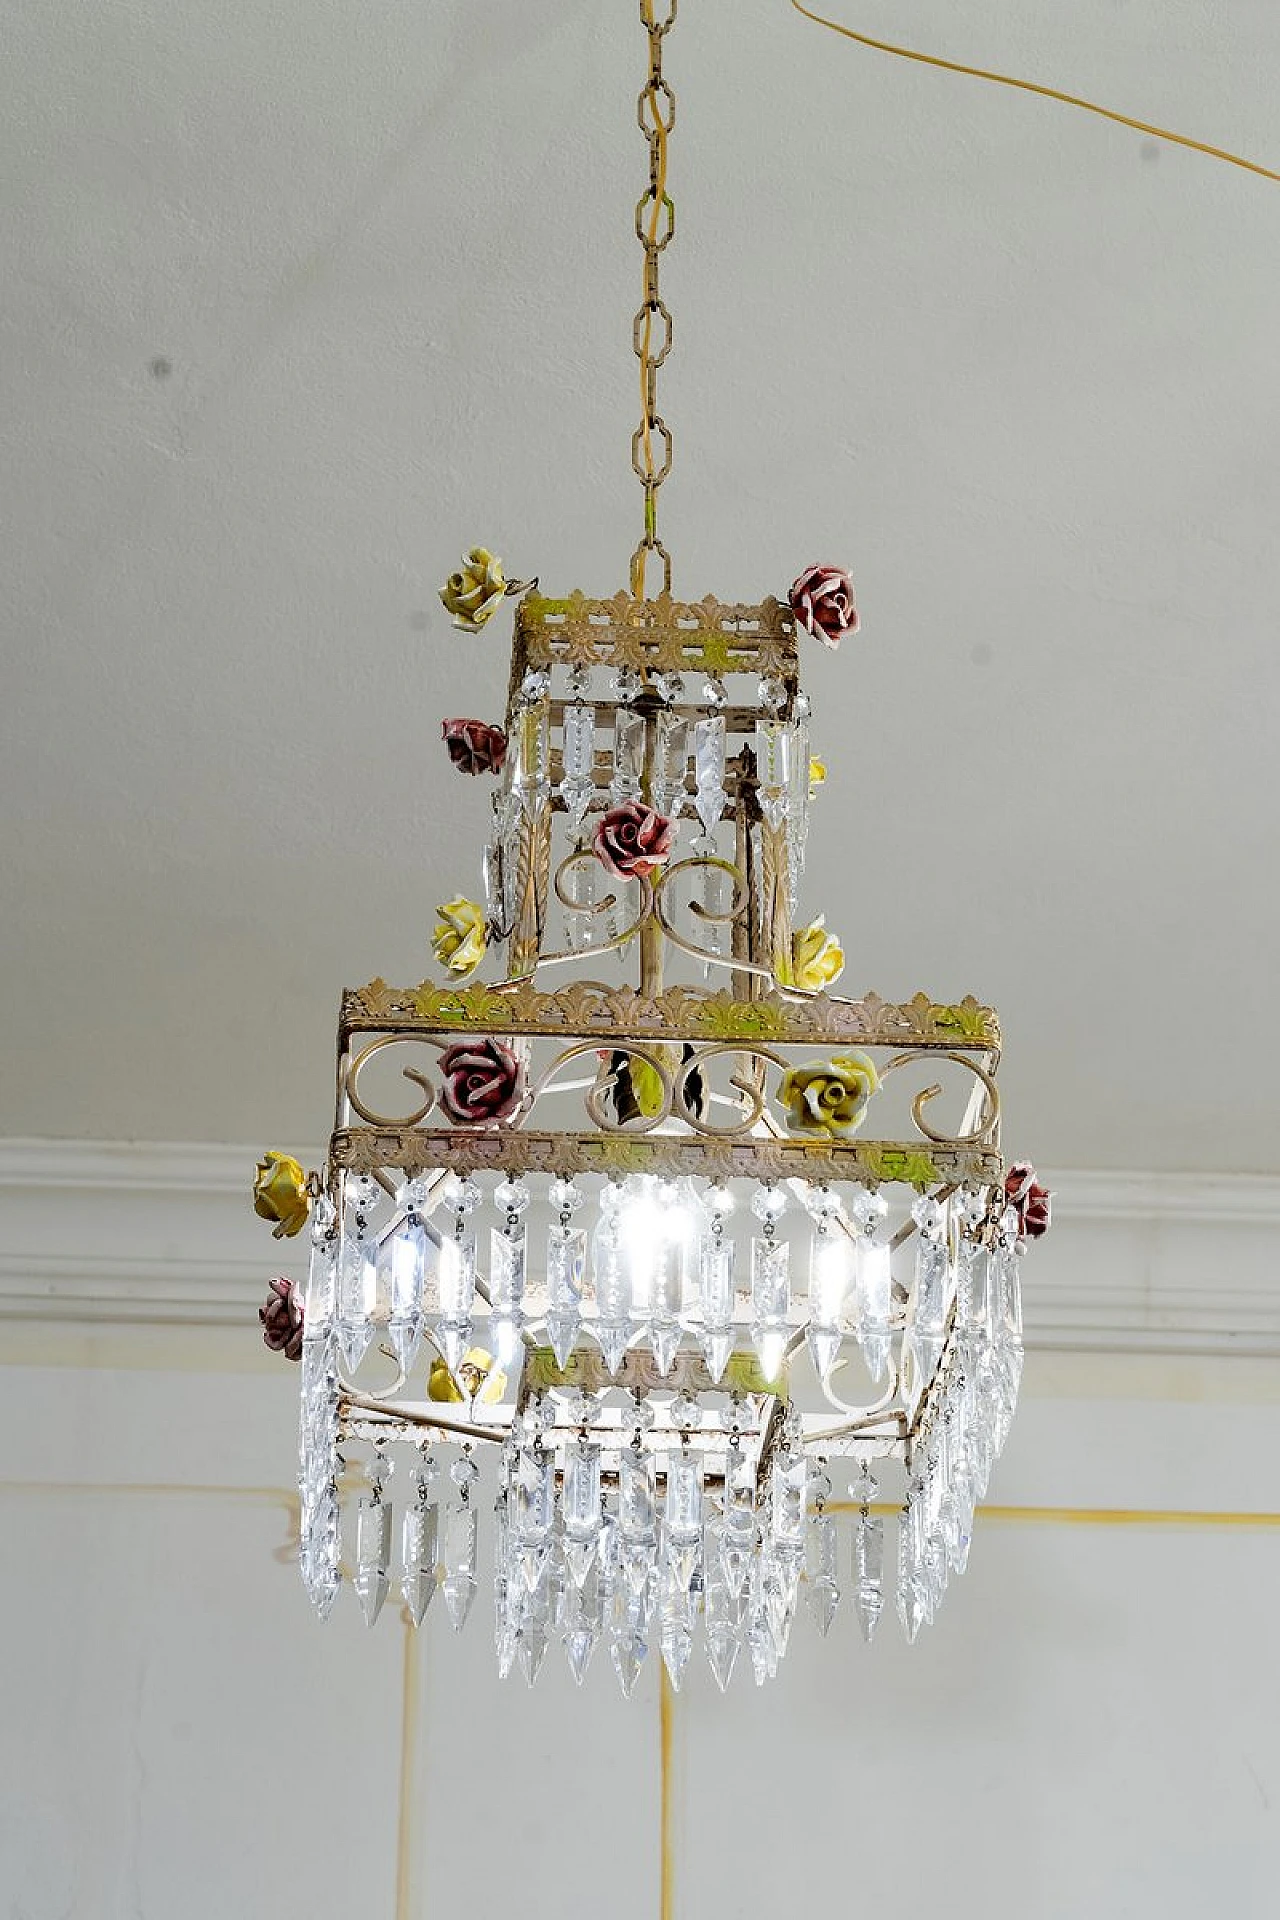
[670,1232]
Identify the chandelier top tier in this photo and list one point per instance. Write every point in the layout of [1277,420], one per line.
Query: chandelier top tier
[664,1226]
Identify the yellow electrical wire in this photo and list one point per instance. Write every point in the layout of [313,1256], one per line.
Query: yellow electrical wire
[1046,93]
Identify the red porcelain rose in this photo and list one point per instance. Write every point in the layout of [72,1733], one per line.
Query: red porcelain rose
[282,1319]
[474,746]
[482,1082]
[823,604]
[633,839]
[1032,1203]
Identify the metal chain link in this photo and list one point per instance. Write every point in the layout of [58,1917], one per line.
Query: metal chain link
[655,225]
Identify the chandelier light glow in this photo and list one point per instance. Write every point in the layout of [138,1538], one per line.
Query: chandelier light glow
[665,1247]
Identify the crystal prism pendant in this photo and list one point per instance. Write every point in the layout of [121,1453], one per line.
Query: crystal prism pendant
[674,1250]
[627,1651]
[583,1620]
[708,765]
[459,1584]
[322,1270]
[612,1326]
[798,796]
[637,1498]
[676,1641]
[683,1522]
[357,1277]
[823,1570]
[738,1522]
[506,1289]
[927,1306]
[578,786]
[723,1623]
[530,781]
[418,1544]
[532,1513]
[456,1280]
[402,1264]
[628,756]
[566,1265]
[671,762]
[873,1283]
[773,759]
[715,889]
[770,1302]
[868,1571]
[373,1554]
[714,1324]
[320,1549]
[580,1510]
[830,1286]
[581,888]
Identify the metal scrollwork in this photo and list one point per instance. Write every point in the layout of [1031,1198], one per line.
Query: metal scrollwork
[355,1068]
[751,1088]
[610,901]
[606,1083]
[738,906]
[983,1132]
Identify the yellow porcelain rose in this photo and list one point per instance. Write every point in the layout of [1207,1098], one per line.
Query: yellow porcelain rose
[280,1194]
[477,1379]
[817,774]
[474,594]
[460,937]
[817,958]
[830,1097]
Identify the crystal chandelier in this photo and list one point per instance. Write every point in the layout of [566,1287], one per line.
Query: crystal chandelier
[633,1242]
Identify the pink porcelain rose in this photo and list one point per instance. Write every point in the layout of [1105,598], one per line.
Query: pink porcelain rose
[633,839]
[474,746]
[823,604]
[482,1082]
[1032,1203]
[282,1319]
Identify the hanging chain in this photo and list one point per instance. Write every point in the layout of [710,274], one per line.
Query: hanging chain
[655,224]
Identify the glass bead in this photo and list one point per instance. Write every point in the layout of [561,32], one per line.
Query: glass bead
[867,1210]
[768,1203]
[511,1196]
[685,1413]
[821,1204]
[378,1471]
[564,1197]
[463,1196]
[927,1214]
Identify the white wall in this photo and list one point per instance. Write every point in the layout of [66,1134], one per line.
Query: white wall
[1091,1729]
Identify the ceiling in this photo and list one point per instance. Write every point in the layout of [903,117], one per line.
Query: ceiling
[304,296]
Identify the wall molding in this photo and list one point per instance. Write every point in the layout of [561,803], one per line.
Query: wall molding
[103,1231]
